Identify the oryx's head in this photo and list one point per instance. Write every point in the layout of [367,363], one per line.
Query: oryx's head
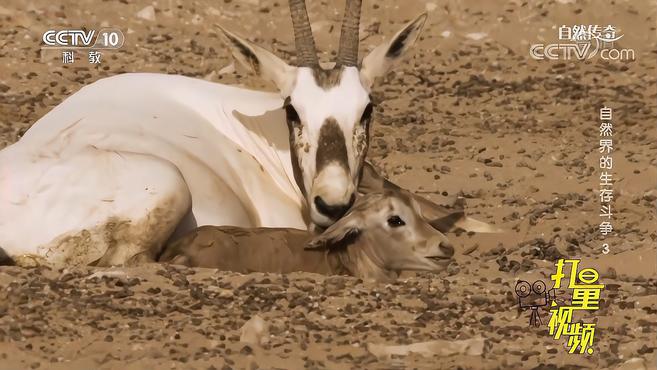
[328,110]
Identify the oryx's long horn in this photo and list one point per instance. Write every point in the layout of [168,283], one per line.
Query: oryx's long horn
[303,35]
[348,49]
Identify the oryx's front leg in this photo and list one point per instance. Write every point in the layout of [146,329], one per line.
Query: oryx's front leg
[440,217]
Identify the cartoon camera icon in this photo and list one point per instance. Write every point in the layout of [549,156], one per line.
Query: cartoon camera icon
[534,296]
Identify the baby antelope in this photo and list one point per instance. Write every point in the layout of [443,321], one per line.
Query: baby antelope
[381,235]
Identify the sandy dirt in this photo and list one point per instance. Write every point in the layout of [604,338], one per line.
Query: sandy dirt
[470,114]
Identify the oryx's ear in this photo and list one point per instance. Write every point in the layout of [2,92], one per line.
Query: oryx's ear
[262,62]
[340,234]
[379,61]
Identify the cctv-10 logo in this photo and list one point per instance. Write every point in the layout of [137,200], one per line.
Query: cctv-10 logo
[106,38]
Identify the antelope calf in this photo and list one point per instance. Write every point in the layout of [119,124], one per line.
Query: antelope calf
[383,234]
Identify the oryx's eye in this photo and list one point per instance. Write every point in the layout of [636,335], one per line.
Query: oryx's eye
[367,114]
[292,115]
[396,221]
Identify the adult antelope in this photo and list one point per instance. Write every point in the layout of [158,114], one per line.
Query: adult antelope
[112,172]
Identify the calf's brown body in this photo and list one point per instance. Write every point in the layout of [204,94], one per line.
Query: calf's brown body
[276,250]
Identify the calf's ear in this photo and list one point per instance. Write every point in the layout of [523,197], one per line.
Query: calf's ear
[339,235]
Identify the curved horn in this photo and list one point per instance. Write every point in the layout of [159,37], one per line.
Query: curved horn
[303,35]
[348,49]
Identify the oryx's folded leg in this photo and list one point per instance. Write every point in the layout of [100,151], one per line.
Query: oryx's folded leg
[160,200]
[90,205]
[440,217]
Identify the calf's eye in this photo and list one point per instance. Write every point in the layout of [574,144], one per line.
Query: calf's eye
[396,221]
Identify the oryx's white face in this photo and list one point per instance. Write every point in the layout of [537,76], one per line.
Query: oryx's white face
[328,111]
[328,114]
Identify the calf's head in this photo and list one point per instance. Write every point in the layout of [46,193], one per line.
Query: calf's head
[328,111]
[388,230]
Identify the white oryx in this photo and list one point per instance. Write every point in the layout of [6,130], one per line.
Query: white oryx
[110,174]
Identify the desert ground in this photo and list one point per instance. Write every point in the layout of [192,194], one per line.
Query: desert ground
[468,115]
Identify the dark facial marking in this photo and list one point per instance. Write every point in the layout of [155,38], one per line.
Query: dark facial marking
[366,117]
[362,141]
[331,146]
[361,161]
[296,166]
[327,78]
[291,116]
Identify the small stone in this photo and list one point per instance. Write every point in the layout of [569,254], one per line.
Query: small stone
[255,331]
[635,363]
[148,13]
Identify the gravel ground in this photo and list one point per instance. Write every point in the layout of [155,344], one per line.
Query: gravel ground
[469,114]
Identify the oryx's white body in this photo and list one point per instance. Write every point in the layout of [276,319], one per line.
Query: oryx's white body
[126,146]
